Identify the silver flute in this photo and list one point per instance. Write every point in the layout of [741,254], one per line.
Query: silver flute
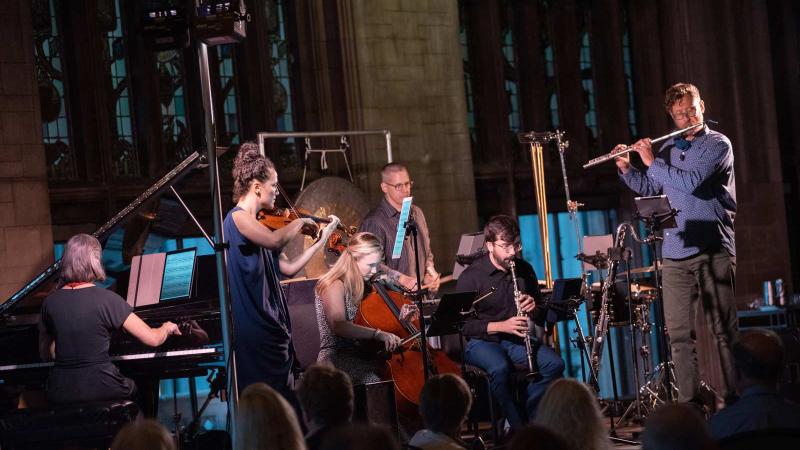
[533,366]
[612,155]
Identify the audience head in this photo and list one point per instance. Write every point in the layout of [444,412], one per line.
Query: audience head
[758,355]
[326,395]
[444,403]
[360,437]
[570,409]
[537,437]
[82,260]
[676,426]
[266,421]
[250,167]
[358,262]
[145,434]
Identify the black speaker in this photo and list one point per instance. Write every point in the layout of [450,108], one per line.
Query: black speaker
[375,403]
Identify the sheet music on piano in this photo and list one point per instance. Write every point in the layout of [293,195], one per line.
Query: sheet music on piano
[19,315]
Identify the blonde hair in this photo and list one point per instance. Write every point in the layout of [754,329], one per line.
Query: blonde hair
[82,260]
[266,421]
[146,434]
[346,268]
[570,409]
[249,165]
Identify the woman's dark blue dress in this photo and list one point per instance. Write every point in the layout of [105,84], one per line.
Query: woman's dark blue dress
[261,324]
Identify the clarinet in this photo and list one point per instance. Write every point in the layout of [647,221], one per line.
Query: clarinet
[533,366]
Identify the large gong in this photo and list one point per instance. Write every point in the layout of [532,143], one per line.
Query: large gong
[322,197]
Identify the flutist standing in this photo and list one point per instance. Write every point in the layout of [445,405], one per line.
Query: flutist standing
[696,173]
[496,335]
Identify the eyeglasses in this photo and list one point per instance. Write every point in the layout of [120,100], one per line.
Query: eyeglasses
[506,246]
[685,114]
[401,186]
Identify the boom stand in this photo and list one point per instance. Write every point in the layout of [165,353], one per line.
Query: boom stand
[411,228]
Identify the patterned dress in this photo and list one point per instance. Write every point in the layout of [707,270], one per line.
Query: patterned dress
[344,353]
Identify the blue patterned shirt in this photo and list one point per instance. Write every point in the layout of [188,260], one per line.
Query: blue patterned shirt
[699,183]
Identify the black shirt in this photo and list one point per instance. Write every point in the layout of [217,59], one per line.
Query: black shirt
[382,222]
[81,322]
[482,276]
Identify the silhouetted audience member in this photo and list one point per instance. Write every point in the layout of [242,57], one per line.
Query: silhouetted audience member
[266,421]
[537,437]
[360,436]
[676,426]
[759,359]
[444,403]
[570,409]
[145,434]
[326,395]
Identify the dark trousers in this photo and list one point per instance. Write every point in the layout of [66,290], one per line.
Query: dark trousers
[497,359]
[707,279]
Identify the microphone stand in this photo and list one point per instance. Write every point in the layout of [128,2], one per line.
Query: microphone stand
[411,229]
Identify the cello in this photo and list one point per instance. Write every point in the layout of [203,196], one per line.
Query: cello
[381,309]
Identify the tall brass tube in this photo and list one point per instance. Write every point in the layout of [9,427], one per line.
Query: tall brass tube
[537,164]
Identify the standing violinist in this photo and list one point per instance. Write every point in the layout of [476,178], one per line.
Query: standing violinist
[262,327]
[495,334]
[338,296]
[382,221]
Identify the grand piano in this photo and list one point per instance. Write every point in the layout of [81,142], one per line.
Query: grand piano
[179,356]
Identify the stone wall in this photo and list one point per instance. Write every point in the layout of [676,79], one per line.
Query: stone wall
[26,243]
[403,72]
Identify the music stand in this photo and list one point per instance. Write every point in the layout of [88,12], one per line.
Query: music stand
[657,214]
[450,316]
[565,300]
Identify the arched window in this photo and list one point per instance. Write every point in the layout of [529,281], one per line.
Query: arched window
[52,80]
[124,156]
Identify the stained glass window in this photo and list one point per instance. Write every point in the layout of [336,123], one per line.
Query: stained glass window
[511,75]
[464,42]
[589,101]
[175,135]
[281,77]
[279,51]
[124,157]
[227,81]
[626,61]
[51,79]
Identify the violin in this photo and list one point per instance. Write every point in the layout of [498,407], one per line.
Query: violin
[280,217]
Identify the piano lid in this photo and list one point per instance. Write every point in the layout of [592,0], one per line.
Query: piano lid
[102,233]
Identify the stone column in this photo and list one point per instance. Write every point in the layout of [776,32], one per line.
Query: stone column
[403,72]
[26,242]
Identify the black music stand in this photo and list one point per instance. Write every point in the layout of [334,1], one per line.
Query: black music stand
[450,316]
[657,213]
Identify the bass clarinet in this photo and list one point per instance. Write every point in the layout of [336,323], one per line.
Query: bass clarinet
[533,366]
[601,327]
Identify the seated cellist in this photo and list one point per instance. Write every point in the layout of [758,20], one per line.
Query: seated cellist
[338,295]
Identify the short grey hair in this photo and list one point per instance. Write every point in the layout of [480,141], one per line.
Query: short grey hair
[391,168]
[82,260]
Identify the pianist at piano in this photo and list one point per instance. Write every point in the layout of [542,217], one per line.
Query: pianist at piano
[77,321]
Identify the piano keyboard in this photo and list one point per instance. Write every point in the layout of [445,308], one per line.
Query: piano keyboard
[130,357]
